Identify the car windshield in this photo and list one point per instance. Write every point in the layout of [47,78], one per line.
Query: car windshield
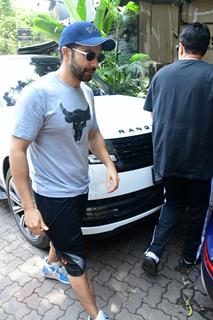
[21,70]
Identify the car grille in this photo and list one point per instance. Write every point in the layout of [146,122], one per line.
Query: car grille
[104,211]
[132,152]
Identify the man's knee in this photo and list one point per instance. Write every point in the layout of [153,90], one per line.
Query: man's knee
[74,264]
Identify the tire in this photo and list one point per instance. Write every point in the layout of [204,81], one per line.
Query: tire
[41,242]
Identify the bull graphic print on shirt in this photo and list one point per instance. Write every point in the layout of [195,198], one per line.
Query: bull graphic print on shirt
[78,118]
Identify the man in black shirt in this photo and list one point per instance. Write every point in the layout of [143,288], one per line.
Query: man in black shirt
[180,99]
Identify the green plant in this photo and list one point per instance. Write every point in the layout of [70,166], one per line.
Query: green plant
[126,73]
[47,25]
[128,78]
[106,14]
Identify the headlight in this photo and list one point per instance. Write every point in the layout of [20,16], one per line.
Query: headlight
[112,153]
[94,160]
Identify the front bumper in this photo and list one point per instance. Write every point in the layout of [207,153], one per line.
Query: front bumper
[105,215]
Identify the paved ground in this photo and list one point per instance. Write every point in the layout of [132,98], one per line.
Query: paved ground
[121,287]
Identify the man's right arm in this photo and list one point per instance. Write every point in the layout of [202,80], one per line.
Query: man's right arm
[20,173]
[20,170]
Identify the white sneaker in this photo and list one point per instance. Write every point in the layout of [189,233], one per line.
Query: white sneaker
[101,316]
[3,195]
[152,255]
[55,271]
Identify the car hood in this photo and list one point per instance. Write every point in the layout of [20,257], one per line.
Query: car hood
[6,120]
[120,116]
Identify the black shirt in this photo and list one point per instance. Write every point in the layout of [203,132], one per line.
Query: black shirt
[181,99]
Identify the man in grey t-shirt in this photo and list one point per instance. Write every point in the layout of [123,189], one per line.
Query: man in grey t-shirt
[55,122]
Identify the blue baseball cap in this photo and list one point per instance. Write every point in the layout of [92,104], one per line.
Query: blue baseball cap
[86,34]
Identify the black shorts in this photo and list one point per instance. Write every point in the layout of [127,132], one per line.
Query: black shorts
[63,217]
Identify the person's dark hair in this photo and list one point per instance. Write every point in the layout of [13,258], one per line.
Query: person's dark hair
[195,38]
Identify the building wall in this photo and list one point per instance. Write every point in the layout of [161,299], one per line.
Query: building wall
[160,24]
[202,11]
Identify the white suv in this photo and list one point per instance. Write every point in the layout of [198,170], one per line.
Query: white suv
[127,131]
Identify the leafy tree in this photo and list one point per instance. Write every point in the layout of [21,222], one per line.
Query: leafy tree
[10,20]
[5,7]
[7,28]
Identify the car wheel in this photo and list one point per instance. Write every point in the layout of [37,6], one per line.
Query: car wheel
[16,209]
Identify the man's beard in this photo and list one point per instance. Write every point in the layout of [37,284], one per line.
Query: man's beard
[80,73]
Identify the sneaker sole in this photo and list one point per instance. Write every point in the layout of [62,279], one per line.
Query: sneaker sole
[54,278]
[149,267]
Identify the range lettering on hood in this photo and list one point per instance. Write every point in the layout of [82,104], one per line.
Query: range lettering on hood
[136,129]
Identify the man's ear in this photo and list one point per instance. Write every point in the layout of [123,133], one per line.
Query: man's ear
[181,49]
[66,53]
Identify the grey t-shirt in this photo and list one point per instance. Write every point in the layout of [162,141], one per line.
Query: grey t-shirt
[57,118]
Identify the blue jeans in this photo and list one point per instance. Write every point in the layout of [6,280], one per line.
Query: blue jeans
[182,193]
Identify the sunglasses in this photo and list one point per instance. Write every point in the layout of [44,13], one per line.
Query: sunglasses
[90,55]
